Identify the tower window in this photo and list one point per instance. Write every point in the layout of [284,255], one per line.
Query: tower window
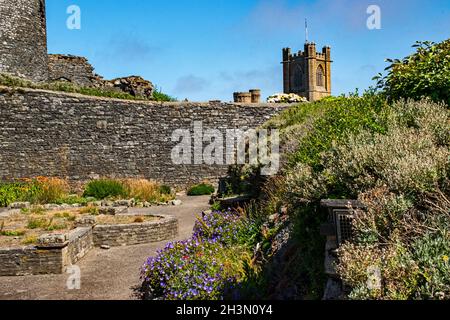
[297,78]
[320,77]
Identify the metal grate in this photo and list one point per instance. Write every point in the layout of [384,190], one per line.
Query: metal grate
[344,229]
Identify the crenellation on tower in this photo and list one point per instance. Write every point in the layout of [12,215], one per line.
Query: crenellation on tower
[307,73]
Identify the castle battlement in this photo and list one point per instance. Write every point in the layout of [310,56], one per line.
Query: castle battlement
[307,73]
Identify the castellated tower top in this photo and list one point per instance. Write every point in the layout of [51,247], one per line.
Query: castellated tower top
[23,39]
[307,73]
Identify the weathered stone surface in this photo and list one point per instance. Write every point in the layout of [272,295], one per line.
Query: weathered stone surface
[19,205]
[51,206]
[333,290]
[46,259]
[56,134]
[76,70]
[136,233]
[125,203]
[111,211]
[29,261]
[134,85]
[53,240]
[176,202]
[85,221]
[23,39]
[107,203]
[80,243]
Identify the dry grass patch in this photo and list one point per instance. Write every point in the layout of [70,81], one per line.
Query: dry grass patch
[24,228]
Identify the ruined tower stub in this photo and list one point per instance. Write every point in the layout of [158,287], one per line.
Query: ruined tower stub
[307,73]
[252,96]
[23,39]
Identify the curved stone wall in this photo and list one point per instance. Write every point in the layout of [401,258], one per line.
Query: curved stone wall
[23,39]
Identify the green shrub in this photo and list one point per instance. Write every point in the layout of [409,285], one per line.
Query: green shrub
[201,190]
[56,227]
[146,190]
[431,252]
[38,190]
[160,96]
[423,74]
[164,189]
[338,118]
[394,158]
[31,239]
[12,233]
[72,200]
[410,157]
[65,215]
[10,192]
[91,210]
[105,188]
[38,223]
[47,190]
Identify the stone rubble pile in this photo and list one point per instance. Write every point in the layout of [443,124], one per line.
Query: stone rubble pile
[134,85]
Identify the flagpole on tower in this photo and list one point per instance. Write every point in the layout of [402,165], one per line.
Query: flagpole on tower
[306,30]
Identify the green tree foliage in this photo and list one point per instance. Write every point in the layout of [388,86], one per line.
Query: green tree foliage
[426,73]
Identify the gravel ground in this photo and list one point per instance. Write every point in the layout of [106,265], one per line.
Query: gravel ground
[105,274]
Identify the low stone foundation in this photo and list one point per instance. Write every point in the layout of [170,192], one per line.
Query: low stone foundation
[33,260]
[53,259]
[132,234]
[27,261]
[80,243]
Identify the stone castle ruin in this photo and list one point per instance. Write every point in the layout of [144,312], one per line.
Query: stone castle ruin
[80,137]
[252,96]
[72,69]
[23,39]
[23,53]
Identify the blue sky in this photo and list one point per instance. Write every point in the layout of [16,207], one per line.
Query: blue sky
[207,49]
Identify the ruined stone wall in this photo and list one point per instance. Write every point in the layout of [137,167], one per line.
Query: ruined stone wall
[81,241]
[76,70]
[23,39]
[136,233]
[29,261]
[78,137]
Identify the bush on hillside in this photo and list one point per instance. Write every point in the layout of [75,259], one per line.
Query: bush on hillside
[40,190]
[407,242]
[11,192]
[398,173]
[201,190]
[164,189]
[410,157]
[105,188]
[158,95]
[338,118]
[423,74]
[395,159]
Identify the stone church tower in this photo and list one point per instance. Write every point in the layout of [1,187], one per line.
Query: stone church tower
[23,39]
[307,73]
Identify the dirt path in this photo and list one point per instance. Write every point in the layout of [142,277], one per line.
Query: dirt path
[105,274]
